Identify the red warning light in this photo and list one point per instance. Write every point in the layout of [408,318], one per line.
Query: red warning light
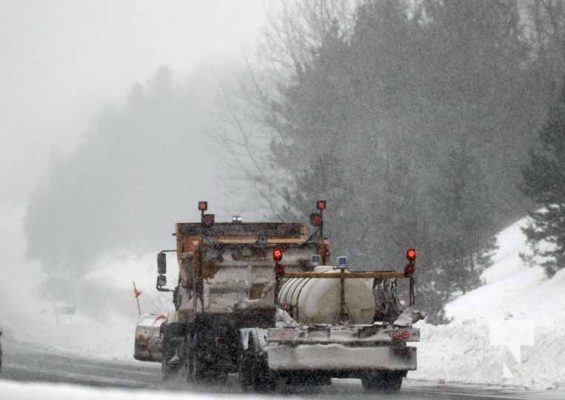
[277,254]
[208,220]
[316,219]
[411,267]
[321,204]
[202,205]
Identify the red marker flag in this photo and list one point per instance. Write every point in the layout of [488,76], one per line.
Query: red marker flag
[136,294]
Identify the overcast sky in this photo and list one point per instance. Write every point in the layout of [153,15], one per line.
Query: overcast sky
[62,60]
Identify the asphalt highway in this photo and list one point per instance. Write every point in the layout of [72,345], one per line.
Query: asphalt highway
[32,363]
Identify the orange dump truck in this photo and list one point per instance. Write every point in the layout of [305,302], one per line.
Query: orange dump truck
[261,300]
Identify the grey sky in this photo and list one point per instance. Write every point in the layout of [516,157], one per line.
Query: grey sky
[63,59]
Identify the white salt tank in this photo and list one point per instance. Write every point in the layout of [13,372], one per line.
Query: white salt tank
[317,300]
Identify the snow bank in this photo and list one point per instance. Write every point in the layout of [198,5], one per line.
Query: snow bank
[459,351]
[32,391]
[514,292]
[105,314]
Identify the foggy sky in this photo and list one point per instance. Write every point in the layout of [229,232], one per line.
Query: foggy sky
[62,60]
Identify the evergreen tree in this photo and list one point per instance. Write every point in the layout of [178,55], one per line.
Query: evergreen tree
[365,115]
[460,243]
[544,183]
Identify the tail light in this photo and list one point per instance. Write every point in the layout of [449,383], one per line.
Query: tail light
[400,335]
[277,254]
[411,267]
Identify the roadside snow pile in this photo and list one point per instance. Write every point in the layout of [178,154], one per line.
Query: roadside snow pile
[517,305]
[102,322]
[111,338]
[10,390]
[99,323]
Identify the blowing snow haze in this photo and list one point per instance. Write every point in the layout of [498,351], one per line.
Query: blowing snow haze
[62,60]
[426,124]
[105,120]
[138,170]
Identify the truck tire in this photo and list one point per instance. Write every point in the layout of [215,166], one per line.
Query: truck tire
[190,360]
[262,378]
[245,366]
[196,371]
[388,382]
[200,364]
[254,372]
[168,352]
[171,349]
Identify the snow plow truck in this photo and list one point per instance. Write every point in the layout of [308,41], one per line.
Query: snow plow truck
[261,300]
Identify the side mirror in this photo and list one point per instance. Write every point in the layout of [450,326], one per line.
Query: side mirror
[161,281]
[161,263]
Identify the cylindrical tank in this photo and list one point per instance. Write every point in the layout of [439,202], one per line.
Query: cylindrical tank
[317,300]
[147,345]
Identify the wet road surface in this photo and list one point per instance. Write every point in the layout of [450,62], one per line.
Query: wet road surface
[35,364]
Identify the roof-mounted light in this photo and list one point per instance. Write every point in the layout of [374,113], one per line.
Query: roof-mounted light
[316,219]
[341,261]
[208,220]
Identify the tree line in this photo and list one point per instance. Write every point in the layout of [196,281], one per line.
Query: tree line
[413,118]
[424,123]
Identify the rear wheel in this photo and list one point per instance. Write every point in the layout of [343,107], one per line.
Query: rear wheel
[190,360]
[262,378]
[388,382]
[169,359]
[245,370]
[254,372]
[200,364]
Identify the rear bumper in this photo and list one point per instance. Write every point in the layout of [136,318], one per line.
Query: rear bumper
[336,357]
